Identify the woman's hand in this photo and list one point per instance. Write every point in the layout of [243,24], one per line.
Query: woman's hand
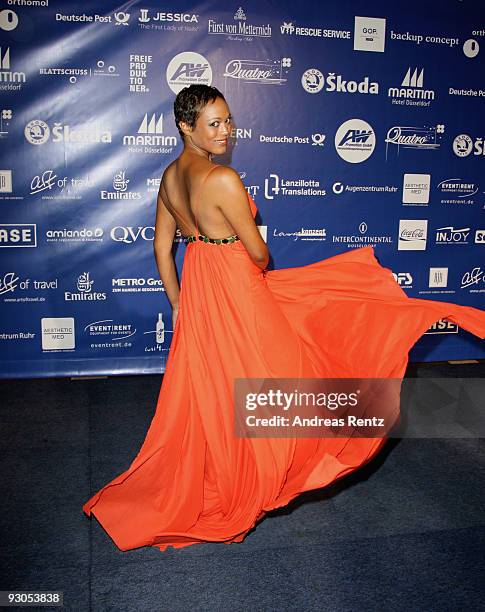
[175,312]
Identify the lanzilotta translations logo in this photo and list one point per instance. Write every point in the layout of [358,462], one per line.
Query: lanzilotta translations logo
[241,28]
[58,333]
[313,81]
[463,145]
[355,141]
[369,34]
[150,137]
[120,189]
[415,189]
[291,29]
[450,235]
[188,68]
[37,132]
[274,185]
[264,72]
[84,291]
[18,235]
[363,238]
[457,191]
[412,234]
[408,137]
[412,91]
[10,80]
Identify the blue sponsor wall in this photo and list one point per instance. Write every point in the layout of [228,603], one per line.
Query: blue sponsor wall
[354,123]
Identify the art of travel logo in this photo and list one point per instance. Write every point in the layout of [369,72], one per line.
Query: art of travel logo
[415,189]
[425,138]
[37,132]
[412,91]
[314,81]
[84,291]
[412,234]
[369,34]
[463,145]
[450,235]
[264,72]
[188,68]
[11,282]
[292,30]
[355,141]
[120,186]
[240,28]
[10,80]
[474,280]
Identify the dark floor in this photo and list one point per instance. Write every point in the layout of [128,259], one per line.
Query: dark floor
[406,532]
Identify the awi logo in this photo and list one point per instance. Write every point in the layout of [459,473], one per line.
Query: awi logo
[355,141]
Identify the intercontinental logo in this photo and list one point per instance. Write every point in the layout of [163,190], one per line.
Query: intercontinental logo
[362,238]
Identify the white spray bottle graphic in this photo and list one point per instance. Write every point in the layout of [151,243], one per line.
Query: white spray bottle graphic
[160,330]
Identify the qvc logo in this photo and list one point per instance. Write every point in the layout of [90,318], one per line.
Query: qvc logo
[130,234]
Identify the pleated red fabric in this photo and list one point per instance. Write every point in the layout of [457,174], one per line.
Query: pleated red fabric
[193,480]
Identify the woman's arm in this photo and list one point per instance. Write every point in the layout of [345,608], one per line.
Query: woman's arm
[165,227]
[228,192]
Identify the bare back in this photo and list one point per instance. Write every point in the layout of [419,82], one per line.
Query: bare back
[183,182]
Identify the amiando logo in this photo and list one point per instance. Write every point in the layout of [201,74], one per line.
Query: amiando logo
[355,141]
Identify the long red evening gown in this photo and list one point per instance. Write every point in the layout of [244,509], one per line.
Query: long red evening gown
[193,480]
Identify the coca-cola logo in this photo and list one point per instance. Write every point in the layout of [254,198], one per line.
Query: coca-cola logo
[412,234]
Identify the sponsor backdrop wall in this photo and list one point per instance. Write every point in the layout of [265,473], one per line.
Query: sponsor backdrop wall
[355,123]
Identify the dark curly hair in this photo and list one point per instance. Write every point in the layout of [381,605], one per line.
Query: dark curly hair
[190,102]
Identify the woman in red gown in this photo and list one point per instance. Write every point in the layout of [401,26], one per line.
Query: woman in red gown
[193,479]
